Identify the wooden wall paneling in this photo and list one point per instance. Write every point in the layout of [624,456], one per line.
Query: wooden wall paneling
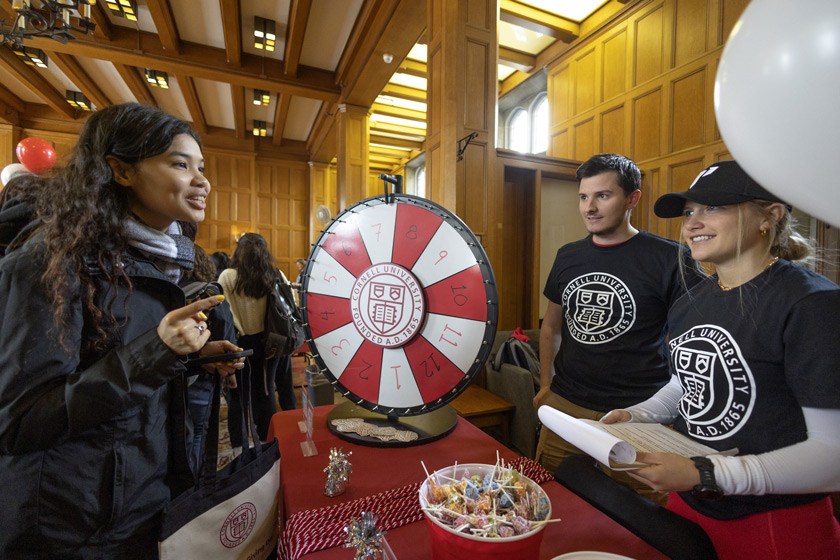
[647,125]
[729,11]
[559,89]
[649,54]
[690,37]
[689,103]
[614,65]
[584,139]
[652,188]
[612,134]
[475,167]
[560,145]
[680,176]
[585,81]
[8,141]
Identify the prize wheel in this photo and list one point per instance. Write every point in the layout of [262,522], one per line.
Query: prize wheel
[401,305]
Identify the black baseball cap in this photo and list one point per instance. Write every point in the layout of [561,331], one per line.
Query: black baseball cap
[719,184]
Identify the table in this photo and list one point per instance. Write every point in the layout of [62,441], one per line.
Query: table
[484,409]
[376,469]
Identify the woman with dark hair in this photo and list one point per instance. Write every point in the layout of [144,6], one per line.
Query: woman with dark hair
[755,366]
[247,284]
[94,339]
[222,261]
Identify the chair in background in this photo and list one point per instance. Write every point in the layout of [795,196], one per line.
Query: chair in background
[669,533]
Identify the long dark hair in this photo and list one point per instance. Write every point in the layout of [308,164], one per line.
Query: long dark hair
[83,209]
[255,270]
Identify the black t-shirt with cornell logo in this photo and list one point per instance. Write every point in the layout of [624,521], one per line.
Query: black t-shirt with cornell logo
[748,361]
[615,302]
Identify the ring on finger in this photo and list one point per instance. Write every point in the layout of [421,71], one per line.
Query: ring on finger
[200,328]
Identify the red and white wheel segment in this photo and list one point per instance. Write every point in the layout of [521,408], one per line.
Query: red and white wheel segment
[401,304]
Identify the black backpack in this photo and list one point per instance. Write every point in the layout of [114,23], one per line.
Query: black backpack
[521,354]
[284,332]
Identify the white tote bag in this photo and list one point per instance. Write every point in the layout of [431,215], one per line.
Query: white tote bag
[230,514]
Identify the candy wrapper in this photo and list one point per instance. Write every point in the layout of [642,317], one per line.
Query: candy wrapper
[363,535]
[338,472]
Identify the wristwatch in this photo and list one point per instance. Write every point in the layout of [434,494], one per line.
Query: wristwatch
[708,488]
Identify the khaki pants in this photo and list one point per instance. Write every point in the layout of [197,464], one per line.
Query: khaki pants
[552,449]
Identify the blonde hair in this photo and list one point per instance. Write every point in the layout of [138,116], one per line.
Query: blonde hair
[783,240]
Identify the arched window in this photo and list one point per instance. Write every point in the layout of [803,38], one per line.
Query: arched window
[539,125]
[519,131]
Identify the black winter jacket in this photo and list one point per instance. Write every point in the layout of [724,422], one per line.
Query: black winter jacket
[91,450]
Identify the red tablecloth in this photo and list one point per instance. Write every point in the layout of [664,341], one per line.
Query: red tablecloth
[376,469]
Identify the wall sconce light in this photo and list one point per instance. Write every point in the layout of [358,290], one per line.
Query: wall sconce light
[157,78]
[123,8]
[264,37]
[78,100]
[32,56]
[387,58]
[259,128]
[261,97]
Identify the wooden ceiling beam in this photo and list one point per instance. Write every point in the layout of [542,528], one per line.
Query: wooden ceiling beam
[389,152]
[393,111]
[404,92]
[193,104]
[298,18]
[73,70]
[136,83]
[322,143]
[232,27]
[237,94]
[35,82]
[390,141]
[383,26]
[103,29]
[523,62]
[11,100]
[397,129]
[538,21]
[414,68]
[281,113]
[161,13]
[132,48]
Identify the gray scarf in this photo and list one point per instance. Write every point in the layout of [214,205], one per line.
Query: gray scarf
[171,251]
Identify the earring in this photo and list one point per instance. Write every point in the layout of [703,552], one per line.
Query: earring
[763,232]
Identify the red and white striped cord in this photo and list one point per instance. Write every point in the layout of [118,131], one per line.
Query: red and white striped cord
[318,529]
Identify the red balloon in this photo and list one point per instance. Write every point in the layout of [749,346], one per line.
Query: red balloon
[35,154]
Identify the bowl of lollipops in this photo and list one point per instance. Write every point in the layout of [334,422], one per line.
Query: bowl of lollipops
[484,511]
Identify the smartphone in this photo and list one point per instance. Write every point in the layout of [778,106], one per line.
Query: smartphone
[226,357]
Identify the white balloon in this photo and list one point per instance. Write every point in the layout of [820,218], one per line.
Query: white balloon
[777,100]
[10,171]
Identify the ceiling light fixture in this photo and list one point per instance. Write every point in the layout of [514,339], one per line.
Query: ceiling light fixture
[51,20]
[261,97]
[123,8]
[157,78]
[32,56]
[259,128]
[264,36]
[77,99]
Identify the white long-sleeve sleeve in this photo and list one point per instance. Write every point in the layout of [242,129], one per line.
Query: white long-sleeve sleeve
[812,465]
[808,466]
[662,407]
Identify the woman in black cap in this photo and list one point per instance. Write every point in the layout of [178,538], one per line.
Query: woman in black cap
[756,362]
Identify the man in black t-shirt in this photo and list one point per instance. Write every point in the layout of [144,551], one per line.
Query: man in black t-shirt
[602,340]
